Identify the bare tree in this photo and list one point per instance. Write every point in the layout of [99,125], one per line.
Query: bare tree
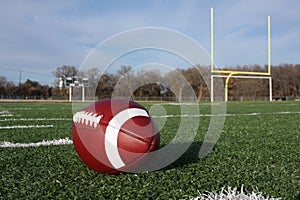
[198,80]
[3,82]
[106,85]
[177,83]
[149,83]
[126,81]
[65,71]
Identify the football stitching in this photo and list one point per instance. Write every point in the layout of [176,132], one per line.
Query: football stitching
[87,118]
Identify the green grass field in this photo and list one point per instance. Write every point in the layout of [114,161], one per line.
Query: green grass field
[259,149]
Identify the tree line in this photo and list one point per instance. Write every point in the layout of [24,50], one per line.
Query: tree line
[27,89]
[153,83]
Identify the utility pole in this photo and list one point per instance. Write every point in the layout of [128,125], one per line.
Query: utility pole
[20,77]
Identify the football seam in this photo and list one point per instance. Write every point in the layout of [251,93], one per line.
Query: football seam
[89,119]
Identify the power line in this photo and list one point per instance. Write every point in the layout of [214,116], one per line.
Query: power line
[21,70]
[30,74]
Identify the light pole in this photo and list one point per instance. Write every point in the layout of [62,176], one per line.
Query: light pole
[77,82]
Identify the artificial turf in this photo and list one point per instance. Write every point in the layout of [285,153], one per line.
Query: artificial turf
[258,150]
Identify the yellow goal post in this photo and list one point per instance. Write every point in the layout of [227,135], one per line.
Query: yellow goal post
[237,74]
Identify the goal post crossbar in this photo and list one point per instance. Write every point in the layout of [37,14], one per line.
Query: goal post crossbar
[213,70]
[239,76]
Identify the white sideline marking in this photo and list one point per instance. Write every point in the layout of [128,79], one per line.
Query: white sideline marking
[190,104]
[35,119]
[63,141]
[26,126]
[186,104]
[227,114]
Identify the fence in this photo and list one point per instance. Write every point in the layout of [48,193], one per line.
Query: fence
[159,98]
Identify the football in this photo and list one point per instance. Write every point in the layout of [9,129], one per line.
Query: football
[114,135]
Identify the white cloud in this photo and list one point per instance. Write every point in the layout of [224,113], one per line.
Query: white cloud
[241,31]
[47,34]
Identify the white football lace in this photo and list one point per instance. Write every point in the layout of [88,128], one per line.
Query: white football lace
[87,118]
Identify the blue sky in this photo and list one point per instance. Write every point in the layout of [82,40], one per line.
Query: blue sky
[39,36]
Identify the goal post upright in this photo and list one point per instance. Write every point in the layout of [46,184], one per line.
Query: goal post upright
[212,53]
[269,58]
[270,88]
[232,74]
[269,45]
[212,39]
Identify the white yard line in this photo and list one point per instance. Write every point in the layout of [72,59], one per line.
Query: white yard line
[163,116]
[26,126]
[64,141]
[5,113]
[35,119]
[30,108]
